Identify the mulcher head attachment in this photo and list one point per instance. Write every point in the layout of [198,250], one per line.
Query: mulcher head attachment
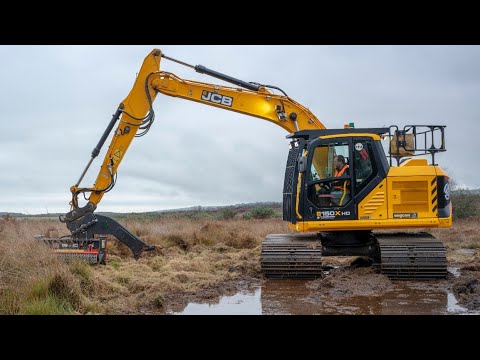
[88,240]
[92,251]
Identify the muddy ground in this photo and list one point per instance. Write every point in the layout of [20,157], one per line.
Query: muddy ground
[351,287]
[357,286]
[354,281]
[361,284]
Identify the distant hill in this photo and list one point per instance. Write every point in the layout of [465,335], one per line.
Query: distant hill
[10,214]
[237,207]
[241,206]
[467,191]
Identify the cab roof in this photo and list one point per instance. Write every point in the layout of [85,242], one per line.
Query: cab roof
[311,134]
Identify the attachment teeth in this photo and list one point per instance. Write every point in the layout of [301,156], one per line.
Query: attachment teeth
[91,251]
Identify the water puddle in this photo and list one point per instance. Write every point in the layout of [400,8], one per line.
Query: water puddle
[243,303]
[297,298]
[455,271]
[452,305]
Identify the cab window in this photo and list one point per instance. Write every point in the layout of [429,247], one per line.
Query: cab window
[365,168]
[329,176]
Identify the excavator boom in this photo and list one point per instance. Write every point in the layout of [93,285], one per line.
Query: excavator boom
[135,115]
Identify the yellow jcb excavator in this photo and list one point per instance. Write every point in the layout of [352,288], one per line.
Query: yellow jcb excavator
[334,215]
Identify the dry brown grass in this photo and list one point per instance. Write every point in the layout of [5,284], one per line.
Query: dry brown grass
[33,281]
[464,233]
[462,240]
[191,255]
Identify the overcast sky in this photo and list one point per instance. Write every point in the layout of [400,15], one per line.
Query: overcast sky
[57,101]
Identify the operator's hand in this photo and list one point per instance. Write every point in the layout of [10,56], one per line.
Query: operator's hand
[324,189]
[326,186]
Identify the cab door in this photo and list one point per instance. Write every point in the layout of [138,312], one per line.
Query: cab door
[327,196]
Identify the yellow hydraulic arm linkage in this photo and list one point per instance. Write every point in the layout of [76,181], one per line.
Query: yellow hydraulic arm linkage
[136,115]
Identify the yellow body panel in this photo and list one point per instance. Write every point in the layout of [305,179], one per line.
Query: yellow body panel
[374,206]
[440,171]
[405,171]
[340,225]
[415,162]
[406,198]
[412,194]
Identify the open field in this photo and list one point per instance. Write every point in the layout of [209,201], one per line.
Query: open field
[197,258]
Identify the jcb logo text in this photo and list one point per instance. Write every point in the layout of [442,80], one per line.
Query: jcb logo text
[217,98]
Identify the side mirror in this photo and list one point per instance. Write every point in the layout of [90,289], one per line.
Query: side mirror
[302,164]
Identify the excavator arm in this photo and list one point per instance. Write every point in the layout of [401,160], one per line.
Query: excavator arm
[135,115]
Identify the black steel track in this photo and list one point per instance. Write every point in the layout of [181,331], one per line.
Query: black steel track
[292,256]
[412,256]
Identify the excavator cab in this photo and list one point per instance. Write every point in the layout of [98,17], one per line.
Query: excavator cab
[324,193]
[334,194]
[345,208]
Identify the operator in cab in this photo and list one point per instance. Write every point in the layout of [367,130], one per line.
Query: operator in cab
[341,188]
